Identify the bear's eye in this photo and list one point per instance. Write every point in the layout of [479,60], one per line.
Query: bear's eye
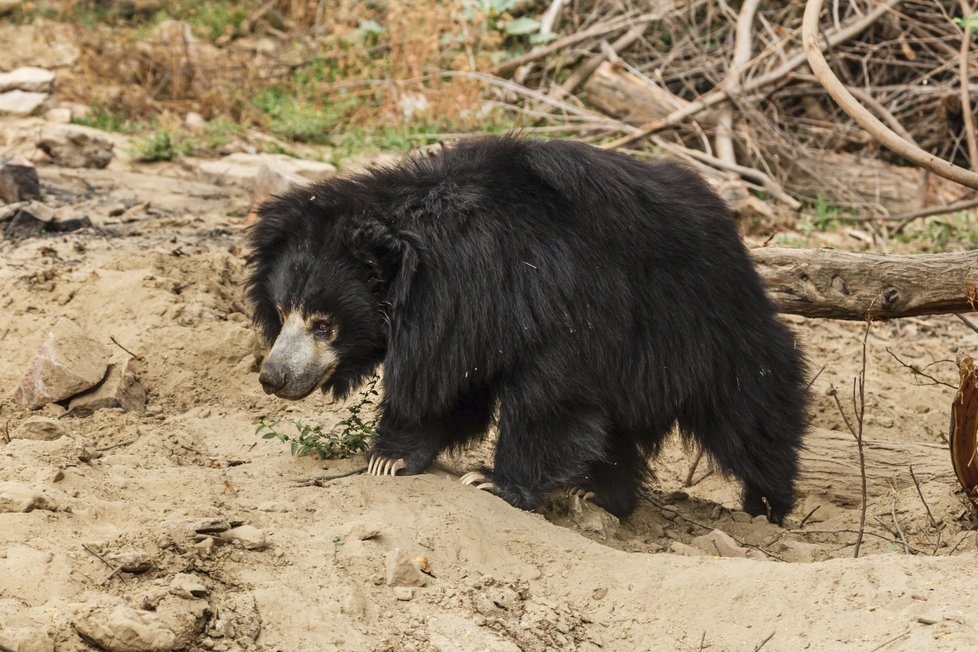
[323,328]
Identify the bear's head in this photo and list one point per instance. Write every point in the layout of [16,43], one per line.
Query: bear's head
[321,276]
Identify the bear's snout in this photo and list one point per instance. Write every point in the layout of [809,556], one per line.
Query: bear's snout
[272,377]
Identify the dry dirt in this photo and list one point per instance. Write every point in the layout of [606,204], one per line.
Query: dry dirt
[164,280]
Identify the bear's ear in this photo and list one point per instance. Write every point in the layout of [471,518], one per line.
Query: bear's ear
[390,255]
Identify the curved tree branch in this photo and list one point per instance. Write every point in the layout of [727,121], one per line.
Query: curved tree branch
[859,113]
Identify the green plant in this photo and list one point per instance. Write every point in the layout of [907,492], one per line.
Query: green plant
[347,437]
[162,145]
[102,118]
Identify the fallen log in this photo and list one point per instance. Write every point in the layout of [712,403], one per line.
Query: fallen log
[634,100]
[846,285]
[830,466]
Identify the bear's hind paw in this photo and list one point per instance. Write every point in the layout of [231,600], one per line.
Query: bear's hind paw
[379,465]
[581,494]
[479,480]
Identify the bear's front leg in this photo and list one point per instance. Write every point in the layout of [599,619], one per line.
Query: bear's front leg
[540,451]
[404,445]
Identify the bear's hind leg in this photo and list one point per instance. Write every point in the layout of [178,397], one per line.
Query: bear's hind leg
[617,480]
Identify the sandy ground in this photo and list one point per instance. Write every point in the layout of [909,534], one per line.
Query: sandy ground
[165,281]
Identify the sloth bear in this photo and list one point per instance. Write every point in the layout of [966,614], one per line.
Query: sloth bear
[586,301]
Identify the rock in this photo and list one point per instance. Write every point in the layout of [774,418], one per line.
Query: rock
[25,639]
[360,531]
[194,121]
[680,548]
[185,585]
[68,362]
[73,146]
[21,103]
[185,618]
[591,518]
[402,571]
[19,498]
[403,593]
[119,628]
[273,178]
[250,537]
[39,429]
[29,220]
[242,169]
[7,6]
[120,389]
[448,633]
[722,544]
[18,181]
[132,561]
[27,78]
[60,114]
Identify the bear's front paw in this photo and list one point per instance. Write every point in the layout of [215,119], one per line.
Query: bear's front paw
[479,480]
[380,465]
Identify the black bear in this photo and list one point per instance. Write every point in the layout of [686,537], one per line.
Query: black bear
[587,301]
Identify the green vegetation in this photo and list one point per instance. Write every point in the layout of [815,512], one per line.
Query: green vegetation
[348,437]
[162,145]
[103,118]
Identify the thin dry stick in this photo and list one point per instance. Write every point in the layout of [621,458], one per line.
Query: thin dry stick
[896,523]
[323,479]
[808,516]
[917,371]
[967,322]
[892,640]
[968,116]
[599,30]
[764,642]
[930,516]
[903,219]
[859,410]
[863,117]
[688,482]
[587,68]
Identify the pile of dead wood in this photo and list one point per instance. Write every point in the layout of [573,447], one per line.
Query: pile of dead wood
[728,88]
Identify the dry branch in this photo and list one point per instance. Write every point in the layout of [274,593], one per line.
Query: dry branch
[963,437]
[845,285]
[865,118]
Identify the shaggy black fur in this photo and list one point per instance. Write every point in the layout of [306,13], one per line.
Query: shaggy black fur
[596,300]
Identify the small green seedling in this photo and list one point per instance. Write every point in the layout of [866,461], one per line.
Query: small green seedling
[346,438]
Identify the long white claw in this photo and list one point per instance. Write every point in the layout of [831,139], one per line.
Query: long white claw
[397,466]
[473,477]
[487,486]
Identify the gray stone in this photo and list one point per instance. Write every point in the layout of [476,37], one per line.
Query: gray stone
[402,571]
[120,628]
[273,178]
[242,169]
[27,78]
[250,537]
[74,146]
[132,561]
[18,181]
[67,363]
[403,593]
[39,429]
[185,585]
[25,639]
[721,544]
[448,633]
[7,6]
[19,498]
[21,103]
[120,389]
[60,114]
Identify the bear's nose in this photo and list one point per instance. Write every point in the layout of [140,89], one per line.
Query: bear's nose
[272,377]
